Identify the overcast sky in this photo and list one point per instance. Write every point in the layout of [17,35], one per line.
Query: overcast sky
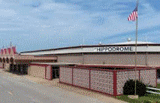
[44,24]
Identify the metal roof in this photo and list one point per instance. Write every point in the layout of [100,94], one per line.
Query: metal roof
[131,43]
[31,57]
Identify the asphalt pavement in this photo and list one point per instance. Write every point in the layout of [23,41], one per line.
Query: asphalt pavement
[21,90]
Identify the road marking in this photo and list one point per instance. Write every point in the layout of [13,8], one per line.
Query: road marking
[10,93]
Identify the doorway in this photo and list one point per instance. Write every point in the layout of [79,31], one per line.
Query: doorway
[55,72]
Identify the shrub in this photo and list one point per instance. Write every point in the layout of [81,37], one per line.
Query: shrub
[158,72]
[129,88]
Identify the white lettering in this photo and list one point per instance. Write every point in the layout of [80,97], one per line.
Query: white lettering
[113,49]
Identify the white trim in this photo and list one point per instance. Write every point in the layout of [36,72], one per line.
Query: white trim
[152,92]
[152,88]
[95,50]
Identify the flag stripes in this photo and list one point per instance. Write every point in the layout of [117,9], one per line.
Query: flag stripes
[133,16]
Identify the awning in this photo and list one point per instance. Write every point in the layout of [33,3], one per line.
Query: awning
[29,57]
[55,64]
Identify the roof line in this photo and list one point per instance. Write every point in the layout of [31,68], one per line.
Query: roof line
[101,45]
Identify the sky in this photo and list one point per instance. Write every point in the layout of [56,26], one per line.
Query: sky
[45,24]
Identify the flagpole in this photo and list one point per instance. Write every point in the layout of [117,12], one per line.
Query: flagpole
[136,45]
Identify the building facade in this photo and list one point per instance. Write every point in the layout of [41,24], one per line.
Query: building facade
[148,54]
[103,68]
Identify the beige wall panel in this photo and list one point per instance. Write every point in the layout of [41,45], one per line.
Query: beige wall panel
[153,59]
[125,59]
[37,71]
[70,59]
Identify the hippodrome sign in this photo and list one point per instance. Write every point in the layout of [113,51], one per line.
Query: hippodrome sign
[114,49]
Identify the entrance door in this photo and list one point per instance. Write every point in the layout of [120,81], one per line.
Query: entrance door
[25,66]
[11,67]
[3,65]
[55,71]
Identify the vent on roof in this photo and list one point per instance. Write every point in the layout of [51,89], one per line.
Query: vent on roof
[128,39]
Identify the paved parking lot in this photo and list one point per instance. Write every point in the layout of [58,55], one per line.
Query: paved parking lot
[22,87]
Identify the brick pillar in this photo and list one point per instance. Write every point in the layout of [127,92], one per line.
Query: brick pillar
[89,78]
[45,72]
[59,74]
[115,83]
[156,77]
[139,75]
[51,72]
[72,76]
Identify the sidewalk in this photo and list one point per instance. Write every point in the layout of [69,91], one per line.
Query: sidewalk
[79,91]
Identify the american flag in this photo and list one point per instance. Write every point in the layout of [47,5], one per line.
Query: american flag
[134,15]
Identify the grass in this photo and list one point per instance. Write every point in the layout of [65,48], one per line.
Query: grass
[158,85]
[125,98]
[150,97]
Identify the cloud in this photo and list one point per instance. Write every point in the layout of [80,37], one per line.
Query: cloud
[9,29]
[40,24]
[152,35]
[7,12]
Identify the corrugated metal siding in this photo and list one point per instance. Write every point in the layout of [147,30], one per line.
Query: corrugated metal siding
[126,59]
[153,59]
[70,58]
[123,59]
